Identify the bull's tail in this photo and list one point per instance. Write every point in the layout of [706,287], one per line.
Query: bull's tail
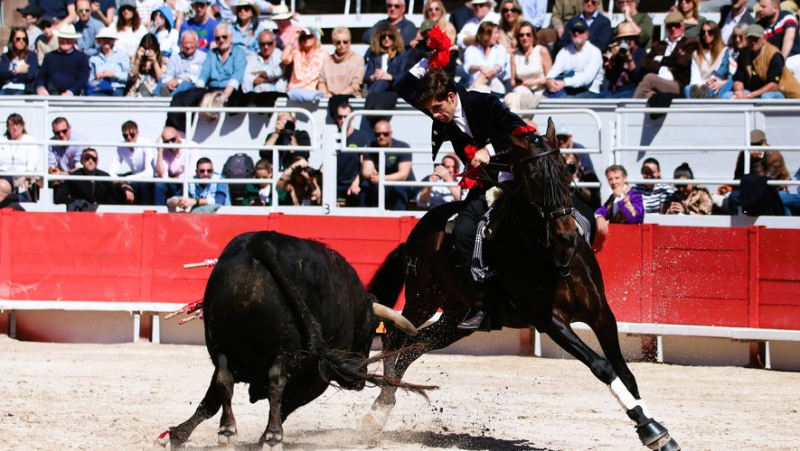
[388,281]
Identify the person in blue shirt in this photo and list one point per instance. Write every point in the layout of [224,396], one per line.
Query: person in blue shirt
[223,71]
[202,23]
[202,197]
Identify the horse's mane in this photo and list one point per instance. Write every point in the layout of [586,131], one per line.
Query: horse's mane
[552,185]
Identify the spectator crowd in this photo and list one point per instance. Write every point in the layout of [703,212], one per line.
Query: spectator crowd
[216,53]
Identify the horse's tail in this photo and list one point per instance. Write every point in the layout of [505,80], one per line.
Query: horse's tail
[388,281]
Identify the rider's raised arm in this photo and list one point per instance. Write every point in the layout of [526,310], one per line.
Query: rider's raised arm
[406,84]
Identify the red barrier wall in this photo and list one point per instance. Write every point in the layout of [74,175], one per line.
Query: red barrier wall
[654,274]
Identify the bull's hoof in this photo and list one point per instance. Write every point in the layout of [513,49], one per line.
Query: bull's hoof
[268,447]
[650,433]
[374,421]
[226,435]
[272,441]
[163,440]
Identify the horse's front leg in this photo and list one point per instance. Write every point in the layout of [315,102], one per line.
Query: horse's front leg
[651,433]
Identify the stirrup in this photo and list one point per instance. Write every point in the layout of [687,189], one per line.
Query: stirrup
[472,322]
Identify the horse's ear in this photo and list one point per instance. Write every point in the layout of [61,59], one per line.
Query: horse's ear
[551,133]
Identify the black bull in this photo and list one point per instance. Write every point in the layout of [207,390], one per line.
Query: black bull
[289,317]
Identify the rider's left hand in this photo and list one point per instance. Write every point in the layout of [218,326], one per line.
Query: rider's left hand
[481,158]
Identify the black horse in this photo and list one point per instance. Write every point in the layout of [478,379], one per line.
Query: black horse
[546,277]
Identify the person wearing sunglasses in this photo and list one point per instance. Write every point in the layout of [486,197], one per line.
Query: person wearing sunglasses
[435,11]
[343,71]
[86,195]
[667,66]
[63,159]
[204,196]
[88,27]
[18,66]
[396,17]
[385,59]
[511,19]
[711,76]
[483,13]
[140,162]
[30,17]
[397,168]
[47,42]
[220,75]
[171,164]
[306,62]
[264,80]
[598,25]
[578,68]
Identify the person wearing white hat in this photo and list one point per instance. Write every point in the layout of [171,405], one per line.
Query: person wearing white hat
[483,13]
[108,70]
[286,28]
[66,71]
[246,27]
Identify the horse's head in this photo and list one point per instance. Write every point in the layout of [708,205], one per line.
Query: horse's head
[540,170]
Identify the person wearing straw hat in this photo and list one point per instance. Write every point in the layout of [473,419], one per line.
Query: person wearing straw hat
[287,29]
[246,27]
[108,70]
[638,22]
[66,71]
[623,62]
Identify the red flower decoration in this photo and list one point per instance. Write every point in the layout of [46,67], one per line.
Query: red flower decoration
[470,152]
[439,42]
[523,129]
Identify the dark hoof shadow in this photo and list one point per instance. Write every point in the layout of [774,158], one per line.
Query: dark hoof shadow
[343,438]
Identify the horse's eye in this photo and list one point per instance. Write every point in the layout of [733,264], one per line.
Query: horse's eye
[537,140]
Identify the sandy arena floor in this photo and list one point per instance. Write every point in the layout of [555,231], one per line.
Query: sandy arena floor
[120,397]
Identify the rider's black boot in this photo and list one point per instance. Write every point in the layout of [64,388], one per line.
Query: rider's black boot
[477,314]
[473,320]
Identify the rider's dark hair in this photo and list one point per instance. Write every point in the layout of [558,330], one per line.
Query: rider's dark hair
[652,161]
[435,86]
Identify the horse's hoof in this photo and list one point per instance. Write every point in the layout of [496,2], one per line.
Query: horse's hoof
[375,421]
[650,433]
[268,447]
[226,436]
[163,440]
[667,443]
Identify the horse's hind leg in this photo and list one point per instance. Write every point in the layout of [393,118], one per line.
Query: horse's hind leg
[651,433]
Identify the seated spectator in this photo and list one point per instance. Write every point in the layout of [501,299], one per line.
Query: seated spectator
[342,72]
[286,134]
[688,199]
[47,42]
[16,156]
[146,69]
[259,194]
[667,67]
[108,70]
[348,164]
[460,16]
[396,17]
[656,195]
[435,11]
[566,143]
[171,163]
[264,81]
[62,160]
[767,164]
[534,11]
[63,11]
[299,184]
[710,75]
[104,11]
[18,66]
[692,20]
[731,16]
[433,196]
[636,23]
[306,62]
[624,206]
[162,26]
[184,67]
[598,25]
[8,199]
[510,20]
[30,18]
[130,29]
[529,64]
[246,27]
[287,30]
[145,9]
[486,61]
[780,30]
[563,12]
[385,60]
[397,169]
[139,162]
[202,24]
[222,72]
[86,195]
[483,13]
[203,196]
[578,68]
[589,196]
[623,62]
[767,77]
[88,27]
[64,72]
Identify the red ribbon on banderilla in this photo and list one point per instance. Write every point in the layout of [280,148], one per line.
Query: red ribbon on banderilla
[195,307]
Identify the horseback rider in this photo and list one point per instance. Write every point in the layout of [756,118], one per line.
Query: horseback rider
[478,126]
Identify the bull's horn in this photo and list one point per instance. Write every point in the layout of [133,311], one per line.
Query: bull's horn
[399,320]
